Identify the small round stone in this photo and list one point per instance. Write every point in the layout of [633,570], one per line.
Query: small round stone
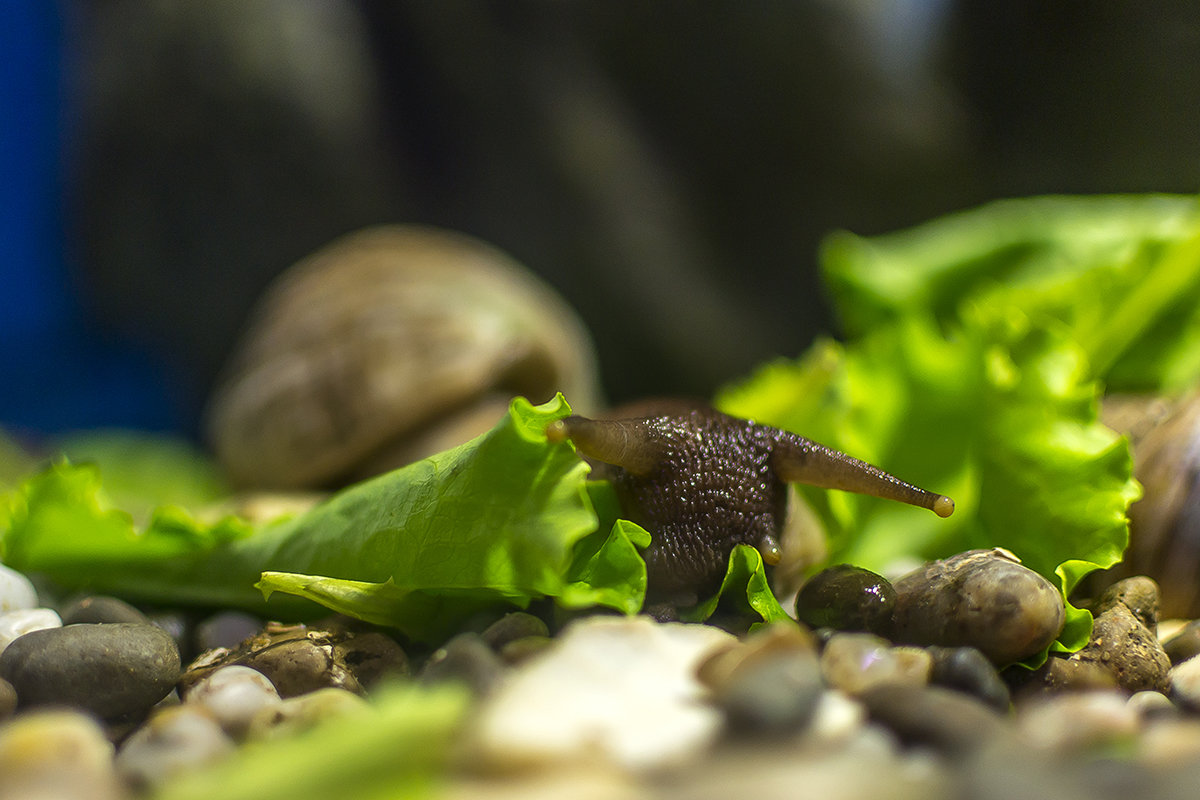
[16,591]
[101,608]
[1074,722]
[847,598]
[513,626]
[14,624]
[233,695]
[56,755]
[981,598]
[1139,594]
[1152,705]
[465,659]
[295,666]
[948,721]
[174,741]
[370,656]
[856,662]
[298,714]
[1185,684]
[117,670]
[225,629]
[968,670]
[1184,644]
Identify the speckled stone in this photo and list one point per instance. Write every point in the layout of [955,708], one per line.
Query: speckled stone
[981,598]
[1139,594]
[101,608]
[172,742]
[233,695]
[856,662]
[56,755]
[16,591]
[14,624]
[117,670]
[1121,644]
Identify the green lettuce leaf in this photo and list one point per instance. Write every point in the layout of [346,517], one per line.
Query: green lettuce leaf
[505,518]
[745,588]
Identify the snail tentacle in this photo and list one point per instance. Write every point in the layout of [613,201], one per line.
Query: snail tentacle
[796,459]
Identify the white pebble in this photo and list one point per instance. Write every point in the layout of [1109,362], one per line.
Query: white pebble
[174,741]
[1185,684]
[856,662]
[23,621]
[234,695]
[1075,722]
[611,688]
[16,591]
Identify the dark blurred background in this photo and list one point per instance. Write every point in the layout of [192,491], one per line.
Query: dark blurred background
[669,166]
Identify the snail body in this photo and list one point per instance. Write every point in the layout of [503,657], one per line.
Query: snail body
[702,482]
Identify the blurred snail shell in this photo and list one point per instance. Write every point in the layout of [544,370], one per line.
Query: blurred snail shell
[1164,541]
[387,345]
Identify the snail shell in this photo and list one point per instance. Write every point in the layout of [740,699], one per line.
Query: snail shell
[1164,541]
[386,345]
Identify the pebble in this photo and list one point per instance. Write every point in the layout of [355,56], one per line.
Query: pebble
[1077,721]
[233,695]
[616,688]
[14,624]
[847,598]
[1184,644]
[1184,682]
[968,670]
[1139,594]
[226,629]
[101,608]
[767,685]
[947,721]
[117,670]
[299,714]
[520,650]
[173,741]
[1121,644]
[512,626]
[856,662]
[298,659]
[981,598]
[56,755]
[1152,705]
[16,591]
[465,659]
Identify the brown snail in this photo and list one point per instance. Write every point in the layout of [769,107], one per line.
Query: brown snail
[385,346]
[703,482]
[1164,535]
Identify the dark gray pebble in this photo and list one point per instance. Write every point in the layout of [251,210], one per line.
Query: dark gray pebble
[465,659]
[225,629]
[513,626]
[947,721]
[101,608]
[847,598]
[776,693]
[968,670]
[112,670]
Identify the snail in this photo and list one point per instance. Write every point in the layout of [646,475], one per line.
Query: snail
[1164,525]
[702,482]
[387,345]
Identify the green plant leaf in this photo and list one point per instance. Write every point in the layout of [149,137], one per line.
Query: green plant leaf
[498,519]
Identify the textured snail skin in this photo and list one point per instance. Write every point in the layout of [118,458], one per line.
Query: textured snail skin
[702,482]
